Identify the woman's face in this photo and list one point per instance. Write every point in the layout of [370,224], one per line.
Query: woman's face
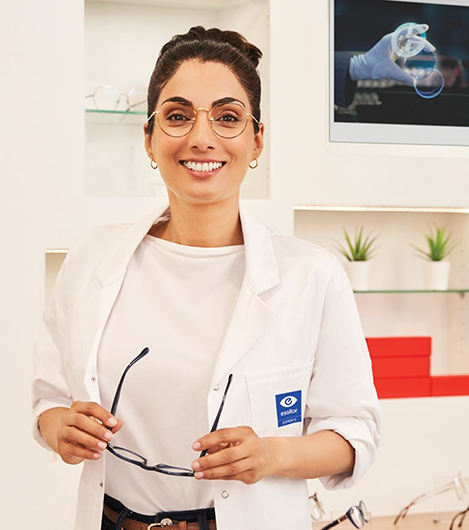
[202,84]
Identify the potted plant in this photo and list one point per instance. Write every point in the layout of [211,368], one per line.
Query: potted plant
[357,251]
[439,245]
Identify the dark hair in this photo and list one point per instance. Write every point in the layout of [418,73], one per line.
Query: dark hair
[208,45]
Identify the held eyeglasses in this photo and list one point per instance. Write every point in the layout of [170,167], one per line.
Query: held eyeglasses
[134,458]
[227,118]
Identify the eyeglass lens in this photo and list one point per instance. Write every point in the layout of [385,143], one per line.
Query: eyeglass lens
[228,120]
[357,515]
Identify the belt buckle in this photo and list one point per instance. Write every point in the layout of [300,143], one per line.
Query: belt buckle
[164,522]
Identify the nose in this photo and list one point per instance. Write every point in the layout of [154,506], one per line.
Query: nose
[202,136]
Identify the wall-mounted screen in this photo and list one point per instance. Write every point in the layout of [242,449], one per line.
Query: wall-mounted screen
[399,72]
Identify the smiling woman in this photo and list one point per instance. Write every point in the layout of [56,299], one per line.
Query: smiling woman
[212,300]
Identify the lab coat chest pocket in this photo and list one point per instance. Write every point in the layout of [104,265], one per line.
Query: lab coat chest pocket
[277,401]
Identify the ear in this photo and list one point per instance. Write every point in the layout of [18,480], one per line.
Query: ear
[148,142]
[259,141]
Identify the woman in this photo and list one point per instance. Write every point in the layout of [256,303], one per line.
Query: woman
[252,332]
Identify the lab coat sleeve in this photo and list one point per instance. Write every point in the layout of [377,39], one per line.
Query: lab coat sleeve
[342,397]
[50,388]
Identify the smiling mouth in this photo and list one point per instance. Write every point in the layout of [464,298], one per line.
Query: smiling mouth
[202,167]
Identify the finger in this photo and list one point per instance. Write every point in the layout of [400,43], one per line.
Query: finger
[73,453]
[231,471]
[86,440]
[219,437]
[229,454]
[94,410]
[88,426]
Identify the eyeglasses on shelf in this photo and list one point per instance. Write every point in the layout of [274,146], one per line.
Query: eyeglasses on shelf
[108,98]
[355,514]
[138,460]
[457,484]
[315,507]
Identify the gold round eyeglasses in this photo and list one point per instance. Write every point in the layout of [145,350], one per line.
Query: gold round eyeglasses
[227,120]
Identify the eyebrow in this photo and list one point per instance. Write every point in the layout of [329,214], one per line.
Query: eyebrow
[187,103]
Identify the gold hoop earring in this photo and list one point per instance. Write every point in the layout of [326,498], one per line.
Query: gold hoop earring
[256,163]
[153,164]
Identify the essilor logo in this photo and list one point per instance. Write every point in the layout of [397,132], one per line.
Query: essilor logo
[288,401]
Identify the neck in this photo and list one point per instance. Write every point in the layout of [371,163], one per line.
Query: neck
[202,225]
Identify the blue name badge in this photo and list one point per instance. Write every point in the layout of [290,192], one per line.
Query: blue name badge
[288,408]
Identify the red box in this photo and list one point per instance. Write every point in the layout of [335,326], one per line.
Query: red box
[450,385]
[400,346]
[401,367]
[403,388]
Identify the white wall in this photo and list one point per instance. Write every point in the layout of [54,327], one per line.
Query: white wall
[44,205]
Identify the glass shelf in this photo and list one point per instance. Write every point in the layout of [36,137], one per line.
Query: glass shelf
[125,117]
[411,291]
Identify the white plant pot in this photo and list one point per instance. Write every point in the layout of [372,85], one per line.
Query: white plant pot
[437,275]
[358,273]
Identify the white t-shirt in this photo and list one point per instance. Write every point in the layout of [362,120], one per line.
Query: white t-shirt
[186,297]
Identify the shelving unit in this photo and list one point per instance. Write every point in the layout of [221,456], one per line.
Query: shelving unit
[122,41]
[397,302]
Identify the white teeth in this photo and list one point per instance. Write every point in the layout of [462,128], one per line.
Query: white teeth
[206,166]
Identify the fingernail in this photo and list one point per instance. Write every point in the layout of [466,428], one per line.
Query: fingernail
[102,445]
[196,446]
[112,421]
[199,474]
[97,456]
[195,465]
[108,435]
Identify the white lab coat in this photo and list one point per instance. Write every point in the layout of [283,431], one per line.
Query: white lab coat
[295,329]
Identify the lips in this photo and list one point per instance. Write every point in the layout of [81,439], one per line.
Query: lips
[202,167]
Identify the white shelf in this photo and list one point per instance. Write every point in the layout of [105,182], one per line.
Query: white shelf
[179,4]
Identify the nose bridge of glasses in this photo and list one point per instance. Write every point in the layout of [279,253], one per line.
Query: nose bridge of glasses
[197,123]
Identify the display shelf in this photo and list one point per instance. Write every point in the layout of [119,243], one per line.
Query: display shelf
[111,117]
[180,4]
[412,291]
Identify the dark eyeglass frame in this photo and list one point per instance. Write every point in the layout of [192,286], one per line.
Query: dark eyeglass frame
[155,114]
[361,510]
[142,462]
[461,516]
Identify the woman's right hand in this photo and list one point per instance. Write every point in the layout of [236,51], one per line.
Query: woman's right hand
[82,432]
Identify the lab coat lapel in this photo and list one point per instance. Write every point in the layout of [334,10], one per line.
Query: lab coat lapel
[251,313]
[95,311]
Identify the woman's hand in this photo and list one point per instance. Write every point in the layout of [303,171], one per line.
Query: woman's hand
[79,433]
[235,454]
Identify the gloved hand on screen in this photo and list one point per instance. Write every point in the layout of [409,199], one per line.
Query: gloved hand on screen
[378,63]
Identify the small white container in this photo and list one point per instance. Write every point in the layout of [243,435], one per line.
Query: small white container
[358,273]
[437,275]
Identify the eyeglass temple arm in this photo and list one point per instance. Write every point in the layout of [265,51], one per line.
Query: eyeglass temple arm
[121,381]
[217,418]
[460,514]
[335,523]
[424,496]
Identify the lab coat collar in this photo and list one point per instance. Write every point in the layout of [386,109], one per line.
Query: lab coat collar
[261,269]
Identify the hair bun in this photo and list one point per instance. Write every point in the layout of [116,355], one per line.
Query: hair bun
[232,38]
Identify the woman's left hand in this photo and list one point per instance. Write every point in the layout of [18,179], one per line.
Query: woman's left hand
[235,454]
